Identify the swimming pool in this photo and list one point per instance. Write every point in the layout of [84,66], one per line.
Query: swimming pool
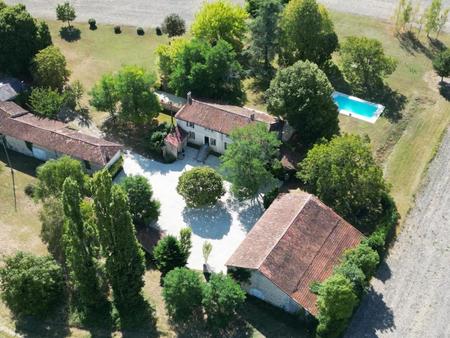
[358,108]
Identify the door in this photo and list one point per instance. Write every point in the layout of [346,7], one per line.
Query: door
[207,140]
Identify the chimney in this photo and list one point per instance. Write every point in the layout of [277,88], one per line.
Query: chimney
[252,117]
[189,97]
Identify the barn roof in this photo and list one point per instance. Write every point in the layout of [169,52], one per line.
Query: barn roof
[54,135]
[296,242]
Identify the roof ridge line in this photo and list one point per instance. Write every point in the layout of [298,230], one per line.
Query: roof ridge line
[214,105]
[287,228]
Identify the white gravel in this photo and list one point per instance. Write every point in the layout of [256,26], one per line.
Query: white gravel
[410,296]
[225,225]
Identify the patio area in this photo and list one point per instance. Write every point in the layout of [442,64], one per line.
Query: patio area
[225,225]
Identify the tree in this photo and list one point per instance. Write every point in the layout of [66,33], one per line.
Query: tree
[46,102]
[345,176]
[81,253]
[206,250]
[104,96]
[431,16]
[52,174]
[246,162]
[167,55]
[50,68]
[173,25]
[143,207]
[124,257]
[31,285]
[441,64]
[200,186]
[52,219]
[182,294]
[186,241]
[403,14]
[264,40]
[65,12]
[222,296]
[73,93]
[335,302]
[221,20]
[443,16]
[210,72]
[365,258]
[21,38]
[355,276]
[301,94]
[169,254]
[364,63]
[307,33]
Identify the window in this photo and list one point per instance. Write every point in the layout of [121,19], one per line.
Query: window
[212,141]
[225,145]
[29,145]
[192,136]
[190,124]
[87,165]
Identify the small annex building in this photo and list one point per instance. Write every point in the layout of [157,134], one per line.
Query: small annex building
[47,139]
[297,241]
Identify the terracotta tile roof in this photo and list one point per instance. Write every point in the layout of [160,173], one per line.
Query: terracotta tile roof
[54,135]
[176,137]
[296,242]
[222,118]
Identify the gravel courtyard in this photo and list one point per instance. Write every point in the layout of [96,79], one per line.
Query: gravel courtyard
[410,296]
[225,225]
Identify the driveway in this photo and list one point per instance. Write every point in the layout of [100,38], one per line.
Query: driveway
[410,295]
[150,13]
[225,225]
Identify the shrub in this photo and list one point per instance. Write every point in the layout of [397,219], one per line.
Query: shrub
[158,31]
[354,274]
[117,29]
[222,296]
[46,102]
[29,190]
[173,25]
[269,197]
[364,257]
[182,294]
[169,255]
[92,24]
[200,186]
[140,31]
[31,285]
[143,207]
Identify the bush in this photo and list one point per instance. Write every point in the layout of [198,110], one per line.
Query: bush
[182,294]
[29,190]
[31,285]
[222,297]
[173,25]
[140,31]
[200,186]
[92,24]
[117,29]
[364,257]
[158,31]
[46,102]
[270,197]
[169,255]
[143,207]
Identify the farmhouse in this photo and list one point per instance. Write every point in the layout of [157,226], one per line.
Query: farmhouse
[47,139]
[210,124]
[297,241]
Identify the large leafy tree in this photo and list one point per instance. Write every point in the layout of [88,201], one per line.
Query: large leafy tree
[167,55]
[335,302]
[182,294]
[200,186]
[222,297]
[364,63]
[46,102]
[169,254]
[441,64]
[21,38]
[345,176]
[301,94]
[307,33]
[104,96]
[264,40]
[124,257]
[221,20]
[50,68]
[143,207]
[82,253]
[247,161]
[207,71]
[31,285]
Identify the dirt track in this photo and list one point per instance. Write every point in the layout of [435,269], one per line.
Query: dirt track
[410,296]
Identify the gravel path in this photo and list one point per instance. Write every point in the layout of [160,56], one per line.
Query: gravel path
[410,296]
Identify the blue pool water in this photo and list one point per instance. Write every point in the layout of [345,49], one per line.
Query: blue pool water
[355,106]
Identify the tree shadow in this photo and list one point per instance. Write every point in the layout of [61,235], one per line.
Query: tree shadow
[70,34]
[141,322]
[393,101]
[384,272]
[336,78]
[208,222]
[198,327]
[82,115]
[444,89]
[410,43]
[437,45]
[20,162]
[372,316]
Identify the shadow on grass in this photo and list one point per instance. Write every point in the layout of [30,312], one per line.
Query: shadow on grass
[70,34]
[19,162]
[273,322]
[437,45]
[410,43]
[336,78]
[140,321]
[444,89]
[198,327]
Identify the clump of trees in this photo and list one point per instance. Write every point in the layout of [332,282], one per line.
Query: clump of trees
[31,285]
[173,25]
[301,94]
[127,96]
[200,186]
[248,160]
